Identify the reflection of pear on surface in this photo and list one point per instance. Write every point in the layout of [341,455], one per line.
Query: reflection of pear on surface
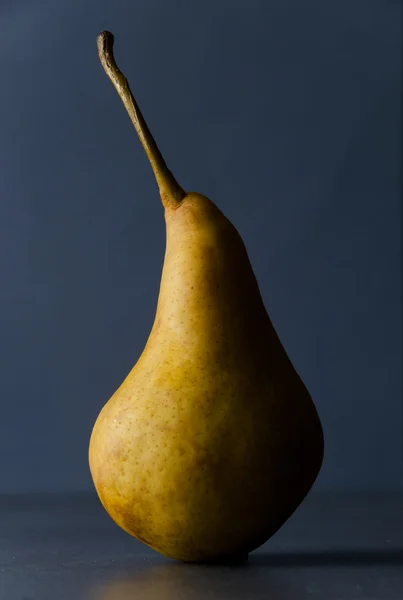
[212,440]
[180,581]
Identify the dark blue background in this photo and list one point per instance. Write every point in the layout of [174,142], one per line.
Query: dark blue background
[285,113]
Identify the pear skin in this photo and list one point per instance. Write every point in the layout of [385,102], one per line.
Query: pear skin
[212,441]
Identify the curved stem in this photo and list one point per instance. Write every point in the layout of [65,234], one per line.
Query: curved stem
[170,191]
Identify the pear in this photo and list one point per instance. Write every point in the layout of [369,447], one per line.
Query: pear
[212,440]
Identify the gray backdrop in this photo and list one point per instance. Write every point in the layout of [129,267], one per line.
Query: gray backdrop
[286,113]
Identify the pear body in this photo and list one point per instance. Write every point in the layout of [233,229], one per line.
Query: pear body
[212,440]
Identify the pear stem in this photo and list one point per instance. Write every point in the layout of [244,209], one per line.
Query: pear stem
[170,191]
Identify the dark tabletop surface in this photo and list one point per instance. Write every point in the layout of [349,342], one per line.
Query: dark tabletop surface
[336,547]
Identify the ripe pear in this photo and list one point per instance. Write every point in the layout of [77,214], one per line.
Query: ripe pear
[212,440]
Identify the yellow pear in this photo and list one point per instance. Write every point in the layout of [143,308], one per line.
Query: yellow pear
[212,440]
